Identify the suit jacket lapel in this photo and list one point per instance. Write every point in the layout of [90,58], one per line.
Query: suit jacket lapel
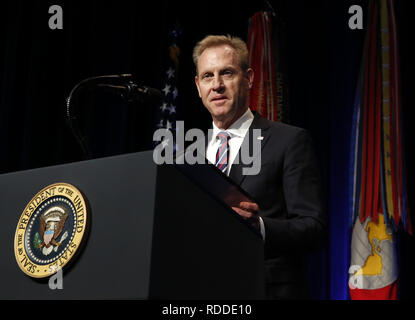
[258,123]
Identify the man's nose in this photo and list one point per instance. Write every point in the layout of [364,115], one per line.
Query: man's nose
[217,84]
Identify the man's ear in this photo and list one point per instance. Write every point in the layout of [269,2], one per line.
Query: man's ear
[249,74]
[197,85]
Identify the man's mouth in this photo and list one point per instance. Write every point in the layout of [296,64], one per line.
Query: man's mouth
[219,99]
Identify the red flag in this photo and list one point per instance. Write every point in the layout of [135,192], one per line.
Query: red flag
[263,95]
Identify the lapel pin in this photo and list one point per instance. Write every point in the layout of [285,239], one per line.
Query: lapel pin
[260,138]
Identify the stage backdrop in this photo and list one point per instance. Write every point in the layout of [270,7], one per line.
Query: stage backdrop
[40,66]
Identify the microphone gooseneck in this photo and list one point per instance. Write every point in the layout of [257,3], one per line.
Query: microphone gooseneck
[125,87]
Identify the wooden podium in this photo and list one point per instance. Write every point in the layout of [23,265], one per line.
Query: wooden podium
[154,234]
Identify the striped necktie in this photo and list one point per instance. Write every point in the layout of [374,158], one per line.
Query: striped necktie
[222,154]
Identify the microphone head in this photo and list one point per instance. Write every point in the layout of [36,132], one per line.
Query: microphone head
[152,92]
[150,95]
[131,91]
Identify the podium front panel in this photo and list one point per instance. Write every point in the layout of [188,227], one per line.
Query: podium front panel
[115,263]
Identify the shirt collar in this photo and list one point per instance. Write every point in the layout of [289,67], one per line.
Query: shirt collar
[238,128]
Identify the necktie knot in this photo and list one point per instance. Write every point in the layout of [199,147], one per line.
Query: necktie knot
[223,136]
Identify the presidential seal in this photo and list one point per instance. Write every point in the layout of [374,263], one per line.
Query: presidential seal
[50,230]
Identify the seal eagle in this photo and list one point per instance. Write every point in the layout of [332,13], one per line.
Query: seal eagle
[52,222]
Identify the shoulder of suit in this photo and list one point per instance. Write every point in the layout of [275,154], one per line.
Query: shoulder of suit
[282,127]
[282,133]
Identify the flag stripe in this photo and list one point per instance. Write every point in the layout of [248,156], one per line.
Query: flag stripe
[389,292]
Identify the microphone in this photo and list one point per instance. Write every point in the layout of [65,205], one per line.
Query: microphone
[132,92]
[125,87]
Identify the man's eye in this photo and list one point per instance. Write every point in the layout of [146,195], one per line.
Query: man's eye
[206,76]
[227,73]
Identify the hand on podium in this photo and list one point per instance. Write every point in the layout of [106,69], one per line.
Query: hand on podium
[249,211]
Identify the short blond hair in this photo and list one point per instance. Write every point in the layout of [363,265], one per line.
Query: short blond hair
[216,40]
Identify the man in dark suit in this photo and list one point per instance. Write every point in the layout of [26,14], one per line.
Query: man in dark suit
[288,208]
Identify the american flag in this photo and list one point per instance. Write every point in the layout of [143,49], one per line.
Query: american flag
[166,114]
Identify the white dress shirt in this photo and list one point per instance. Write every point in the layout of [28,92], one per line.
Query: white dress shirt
[237,132]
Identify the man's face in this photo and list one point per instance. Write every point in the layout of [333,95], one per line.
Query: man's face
[223,86]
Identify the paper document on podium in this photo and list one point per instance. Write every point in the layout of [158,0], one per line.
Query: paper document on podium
[214,182]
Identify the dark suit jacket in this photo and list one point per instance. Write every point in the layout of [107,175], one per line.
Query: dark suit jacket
[288,192]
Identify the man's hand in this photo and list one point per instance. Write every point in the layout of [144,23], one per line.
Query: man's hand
[249,211]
